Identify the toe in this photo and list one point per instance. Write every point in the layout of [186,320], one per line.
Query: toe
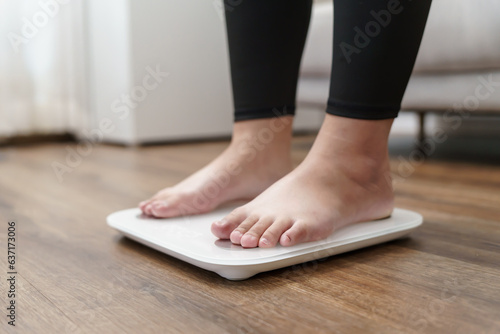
[143,205]
[160,208]
[294,235]
[273,234]
[243,228]
[160,195]
[148,209]
[252,237]
[176,205]
[222,228]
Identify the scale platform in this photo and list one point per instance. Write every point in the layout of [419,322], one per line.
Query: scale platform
[189,239]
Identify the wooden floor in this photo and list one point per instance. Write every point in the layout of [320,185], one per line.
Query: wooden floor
[76,275]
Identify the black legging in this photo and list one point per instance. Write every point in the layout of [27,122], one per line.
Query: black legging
[374,49]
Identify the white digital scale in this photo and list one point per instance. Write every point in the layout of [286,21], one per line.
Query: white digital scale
[189,239]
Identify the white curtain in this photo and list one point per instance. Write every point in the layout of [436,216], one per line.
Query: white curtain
[42,67]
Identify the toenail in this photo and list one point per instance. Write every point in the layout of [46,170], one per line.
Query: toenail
[160,204]
[264,241]
[287,239]
[236,234]
[250,238]
[220,222]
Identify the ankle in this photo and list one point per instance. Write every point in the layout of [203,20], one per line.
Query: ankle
[359,168]
[269,137]
[356,148]
[264,127]
[366,170]
[342,136]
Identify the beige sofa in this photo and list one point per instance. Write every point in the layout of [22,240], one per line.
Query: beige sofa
[457,70]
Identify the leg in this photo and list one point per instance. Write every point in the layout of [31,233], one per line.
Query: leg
[345,178]
[266,39]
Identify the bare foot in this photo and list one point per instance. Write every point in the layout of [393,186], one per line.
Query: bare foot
[343,180]
[259,155]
